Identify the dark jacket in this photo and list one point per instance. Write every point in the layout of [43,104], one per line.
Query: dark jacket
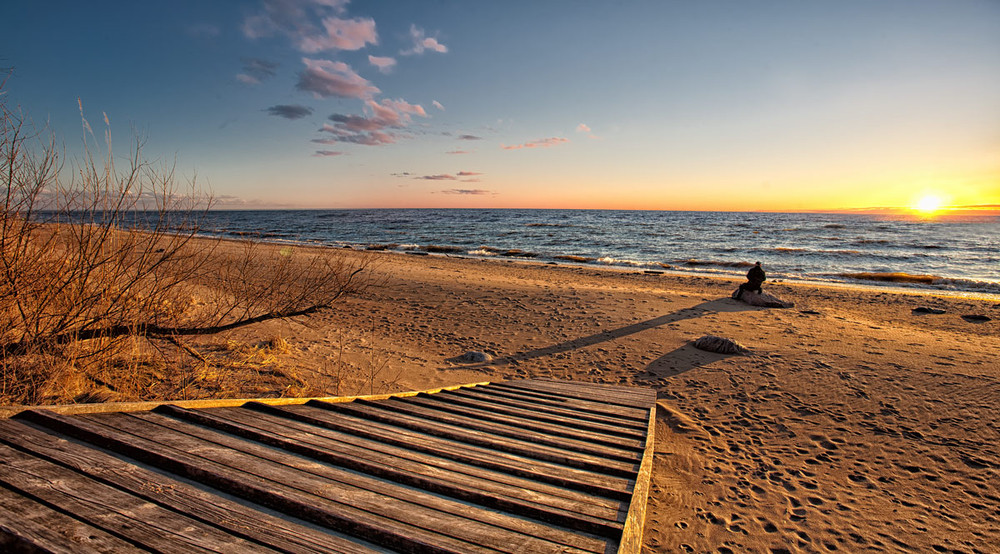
[756,275]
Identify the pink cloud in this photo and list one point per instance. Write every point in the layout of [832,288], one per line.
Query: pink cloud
[437,105]
[325,78]
[582,128]
[468,173]
[422,43]
[384,65]
[441,177]
[540,143]
[328,153]
[458,152]
[340,34]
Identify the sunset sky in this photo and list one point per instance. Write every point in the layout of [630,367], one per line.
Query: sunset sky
[641,104]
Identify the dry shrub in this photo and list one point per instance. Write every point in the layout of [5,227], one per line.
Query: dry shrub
[102,277]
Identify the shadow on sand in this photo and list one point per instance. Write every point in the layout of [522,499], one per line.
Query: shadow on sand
[672,359]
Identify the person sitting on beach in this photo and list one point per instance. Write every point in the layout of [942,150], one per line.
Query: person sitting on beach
[755,278]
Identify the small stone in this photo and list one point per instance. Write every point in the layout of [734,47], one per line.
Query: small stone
[720,345]
[927,310]
[476,357]
[975,318]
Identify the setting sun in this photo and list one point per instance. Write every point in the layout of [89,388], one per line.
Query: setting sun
[929,203]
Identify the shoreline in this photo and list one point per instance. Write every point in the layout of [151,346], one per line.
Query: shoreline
[882,281]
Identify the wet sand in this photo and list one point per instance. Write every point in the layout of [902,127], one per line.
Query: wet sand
[855,425]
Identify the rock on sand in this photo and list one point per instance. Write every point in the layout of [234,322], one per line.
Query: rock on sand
[720,345]
[764,299]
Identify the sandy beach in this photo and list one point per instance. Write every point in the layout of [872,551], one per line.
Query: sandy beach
[855,425]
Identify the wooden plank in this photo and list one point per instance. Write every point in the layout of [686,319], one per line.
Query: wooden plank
[115,407]
[234,517]
[414,497]
[114,511]
[594,403]
[641,394]
[607,431]
[565,417]
[487,440]
[635,398]
[589,437]
[436,465]
[509,430]
[631,539]
[448,518]
[333,515]
[574,479]
[609,420]
[27,525]
[581,513]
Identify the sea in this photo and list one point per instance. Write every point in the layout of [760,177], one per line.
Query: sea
[948,253]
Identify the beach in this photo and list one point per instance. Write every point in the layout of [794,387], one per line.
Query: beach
[855,424]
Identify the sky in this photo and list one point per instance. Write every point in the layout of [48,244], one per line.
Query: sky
[628,104]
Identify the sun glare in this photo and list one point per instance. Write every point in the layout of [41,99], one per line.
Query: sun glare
[928,204]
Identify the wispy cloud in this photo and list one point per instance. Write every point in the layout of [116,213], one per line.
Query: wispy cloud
[325,78]
[328,153]
[289,111]
[340,34]
[422,43]
[540,143]
[383,64]
[469,192]
[469,137]
[458,152]
[437,105]
[256,70]
[374,128]
[584,129]
[463,176]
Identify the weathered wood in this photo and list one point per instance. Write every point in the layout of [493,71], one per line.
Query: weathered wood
[526,410]
[277,496]
[113,511]
[405,505]
[487,440]
[594,403]
[631,540]
[236,518]
[27,526]
[539,466]
[262,428]
[632,425]
[636,398]
[333,471]
[510,431]
[515,422]
[571,478]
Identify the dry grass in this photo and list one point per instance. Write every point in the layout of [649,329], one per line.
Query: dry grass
[105,291]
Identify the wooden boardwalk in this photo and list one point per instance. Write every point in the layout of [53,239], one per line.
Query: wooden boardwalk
[518,466]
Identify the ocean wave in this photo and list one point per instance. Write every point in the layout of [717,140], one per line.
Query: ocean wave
[607,260]
[833,226]
[892,277]
[438,249]
[483,252]
[563,225]
[787,249]
[575,259]
[717,263]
